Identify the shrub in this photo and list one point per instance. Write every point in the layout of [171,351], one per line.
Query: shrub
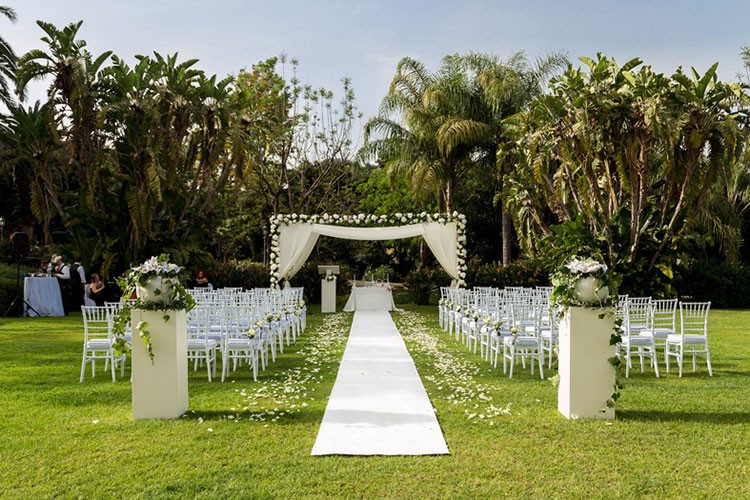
[423,282]
[496,275]
[243,274]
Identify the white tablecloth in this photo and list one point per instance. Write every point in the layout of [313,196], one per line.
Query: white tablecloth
[370,298]
[43,294]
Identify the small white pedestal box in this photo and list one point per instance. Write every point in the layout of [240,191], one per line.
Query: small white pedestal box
[328,295]
[160,388]
[587,379]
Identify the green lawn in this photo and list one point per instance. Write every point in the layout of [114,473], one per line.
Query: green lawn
[674,438]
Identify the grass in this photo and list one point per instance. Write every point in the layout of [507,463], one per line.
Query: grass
[673,438]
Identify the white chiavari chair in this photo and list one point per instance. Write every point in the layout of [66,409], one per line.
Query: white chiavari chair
[693,336]
[97,341]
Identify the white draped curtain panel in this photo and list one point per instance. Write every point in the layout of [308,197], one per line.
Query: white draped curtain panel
[297,240]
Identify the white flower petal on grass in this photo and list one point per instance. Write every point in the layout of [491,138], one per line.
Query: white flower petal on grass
[95,421]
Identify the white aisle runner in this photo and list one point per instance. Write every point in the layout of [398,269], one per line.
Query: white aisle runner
[378,405]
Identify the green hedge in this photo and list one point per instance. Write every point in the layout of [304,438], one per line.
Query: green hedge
[423,282]
[243,274]
[499,276]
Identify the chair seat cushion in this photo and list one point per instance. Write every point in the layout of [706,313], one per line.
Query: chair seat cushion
[195,344]
[688,339]
[638,340]
[657,333]
[521,341]
[240,344]
[99,344]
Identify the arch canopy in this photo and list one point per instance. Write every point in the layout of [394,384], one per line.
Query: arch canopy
[296,241]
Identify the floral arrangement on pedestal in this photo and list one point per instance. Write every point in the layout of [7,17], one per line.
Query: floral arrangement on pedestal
[157,285]
[586,282]
[583,282]
[369,220]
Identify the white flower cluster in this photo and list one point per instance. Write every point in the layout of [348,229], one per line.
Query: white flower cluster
[369,220]
[159,267]
[585,266]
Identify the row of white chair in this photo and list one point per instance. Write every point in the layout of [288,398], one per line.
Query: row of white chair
[649,324]
[520,322]
[242,326]
[515,322]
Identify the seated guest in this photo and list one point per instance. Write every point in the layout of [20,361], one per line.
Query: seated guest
[43,268]
[96,288]
[201,280]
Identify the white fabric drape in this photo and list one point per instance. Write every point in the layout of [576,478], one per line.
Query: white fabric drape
[369,233]
[441,238]
[297,240]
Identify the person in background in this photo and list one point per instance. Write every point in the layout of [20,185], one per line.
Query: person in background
[201,280]
[77,285]
[62,273]
[96,288]
[43,268]
[51,266]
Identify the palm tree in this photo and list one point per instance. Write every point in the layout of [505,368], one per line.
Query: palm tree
[631,152]
[8,61]
[33,155]
[74,90]
[420,126]
[505,89]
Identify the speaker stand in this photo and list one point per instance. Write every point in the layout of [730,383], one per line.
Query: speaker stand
[18,296]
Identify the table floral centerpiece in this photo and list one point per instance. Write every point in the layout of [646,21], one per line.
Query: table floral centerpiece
[157,285]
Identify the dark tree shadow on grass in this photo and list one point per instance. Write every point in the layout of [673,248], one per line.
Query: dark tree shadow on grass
[727,418]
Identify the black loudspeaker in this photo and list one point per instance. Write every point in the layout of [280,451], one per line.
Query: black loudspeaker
[19,245]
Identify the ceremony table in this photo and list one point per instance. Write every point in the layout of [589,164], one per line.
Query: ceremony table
[43,294]
[370,298]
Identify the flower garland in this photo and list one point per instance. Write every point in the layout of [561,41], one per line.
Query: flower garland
[368,220]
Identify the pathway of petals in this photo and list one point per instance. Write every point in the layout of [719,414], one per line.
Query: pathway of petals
[453,373]
[290,391]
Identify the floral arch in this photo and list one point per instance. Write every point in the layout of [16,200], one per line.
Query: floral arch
[293,237]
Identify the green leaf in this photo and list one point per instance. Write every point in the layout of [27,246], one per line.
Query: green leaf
[665,270]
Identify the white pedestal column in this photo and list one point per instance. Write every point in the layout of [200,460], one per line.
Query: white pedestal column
[328,295]
[160,388]
[587,378]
